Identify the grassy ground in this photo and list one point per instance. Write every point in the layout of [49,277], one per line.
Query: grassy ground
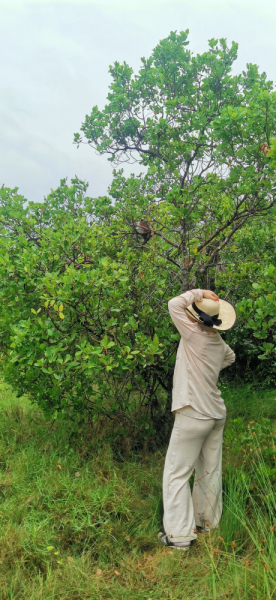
[77,523]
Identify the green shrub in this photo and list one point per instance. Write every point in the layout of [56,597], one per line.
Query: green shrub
[254,336]
[84,325]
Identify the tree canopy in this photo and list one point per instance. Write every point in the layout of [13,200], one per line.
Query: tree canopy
[204,137]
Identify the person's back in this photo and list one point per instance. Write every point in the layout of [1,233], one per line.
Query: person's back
[196,440]
[201,355]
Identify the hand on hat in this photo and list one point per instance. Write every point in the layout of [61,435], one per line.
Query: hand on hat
[210,295]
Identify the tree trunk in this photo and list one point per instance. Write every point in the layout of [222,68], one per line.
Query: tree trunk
[185,275]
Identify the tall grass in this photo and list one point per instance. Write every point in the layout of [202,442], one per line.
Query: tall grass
[79,521]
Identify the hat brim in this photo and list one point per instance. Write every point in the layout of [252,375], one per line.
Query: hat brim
[227,315]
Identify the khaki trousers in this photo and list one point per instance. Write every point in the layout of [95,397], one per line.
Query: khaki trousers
[195,444]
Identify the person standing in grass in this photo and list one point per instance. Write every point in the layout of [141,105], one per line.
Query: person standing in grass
[200,413]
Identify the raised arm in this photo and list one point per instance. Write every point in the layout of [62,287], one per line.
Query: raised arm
[176,309]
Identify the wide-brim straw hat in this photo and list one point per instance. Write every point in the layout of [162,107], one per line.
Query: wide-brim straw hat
[217,310]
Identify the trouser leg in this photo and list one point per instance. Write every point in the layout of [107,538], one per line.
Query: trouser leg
[186,441]
[207,490]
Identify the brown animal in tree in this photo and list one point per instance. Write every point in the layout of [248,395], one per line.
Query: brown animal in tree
[264,147]
[144,229]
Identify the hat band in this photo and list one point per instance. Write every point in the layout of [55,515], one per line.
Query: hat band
[207,320]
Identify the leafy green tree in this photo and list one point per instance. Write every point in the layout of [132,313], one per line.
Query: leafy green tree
[84,324]
[202,136]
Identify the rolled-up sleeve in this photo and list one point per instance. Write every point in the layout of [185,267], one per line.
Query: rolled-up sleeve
[177,312]
[229,357]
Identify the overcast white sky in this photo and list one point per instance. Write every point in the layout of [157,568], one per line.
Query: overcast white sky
[55,56]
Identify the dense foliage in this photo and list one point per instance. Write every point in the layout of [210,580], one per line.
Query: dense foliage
[83,323]
[258,325]
[247,278]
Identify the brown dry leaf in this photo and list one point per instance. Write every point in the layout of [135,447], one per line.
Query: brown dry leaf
[116,572]
[59,466]
[127,538]
[99,572]
[141,275]
[77,474]
[70,559]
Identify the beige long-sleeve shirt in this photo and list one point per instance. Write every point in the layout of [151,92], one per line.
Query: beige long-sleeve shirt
[201,355]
